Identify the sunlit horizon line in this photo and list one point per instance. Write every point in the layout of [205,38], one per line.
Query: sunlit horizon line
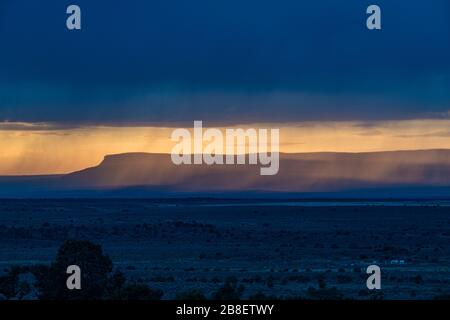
[37,149]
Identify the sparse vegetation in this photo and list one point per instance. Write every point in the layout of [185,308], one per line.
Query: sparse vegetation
[98,283]
[189,251]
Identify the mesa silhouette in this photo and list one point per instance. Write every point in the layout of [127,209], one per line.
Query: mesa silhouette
[424,172]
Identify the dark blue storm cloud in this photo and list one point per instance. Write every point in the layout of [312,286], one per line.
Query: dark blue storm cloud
[234,60]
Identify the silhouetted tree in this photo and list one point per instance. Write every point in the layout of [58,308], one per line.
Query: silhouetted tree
[97,282]
[95,268]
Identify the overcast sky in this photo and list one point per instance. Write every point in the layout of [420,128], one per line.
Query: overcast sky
[159,61]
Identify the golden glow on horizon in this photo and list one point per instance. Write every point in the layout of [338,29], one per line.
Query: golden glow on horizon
[42,149]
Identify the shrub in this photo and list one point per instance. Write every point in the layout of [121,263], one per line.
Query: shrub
[229,291]
[138,291]
[8,284]
[191,295]
[262,296]
[324,294]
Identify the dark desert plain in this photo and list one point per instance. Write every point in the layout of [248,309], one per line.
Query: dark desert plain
[309,232]
[283,249]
